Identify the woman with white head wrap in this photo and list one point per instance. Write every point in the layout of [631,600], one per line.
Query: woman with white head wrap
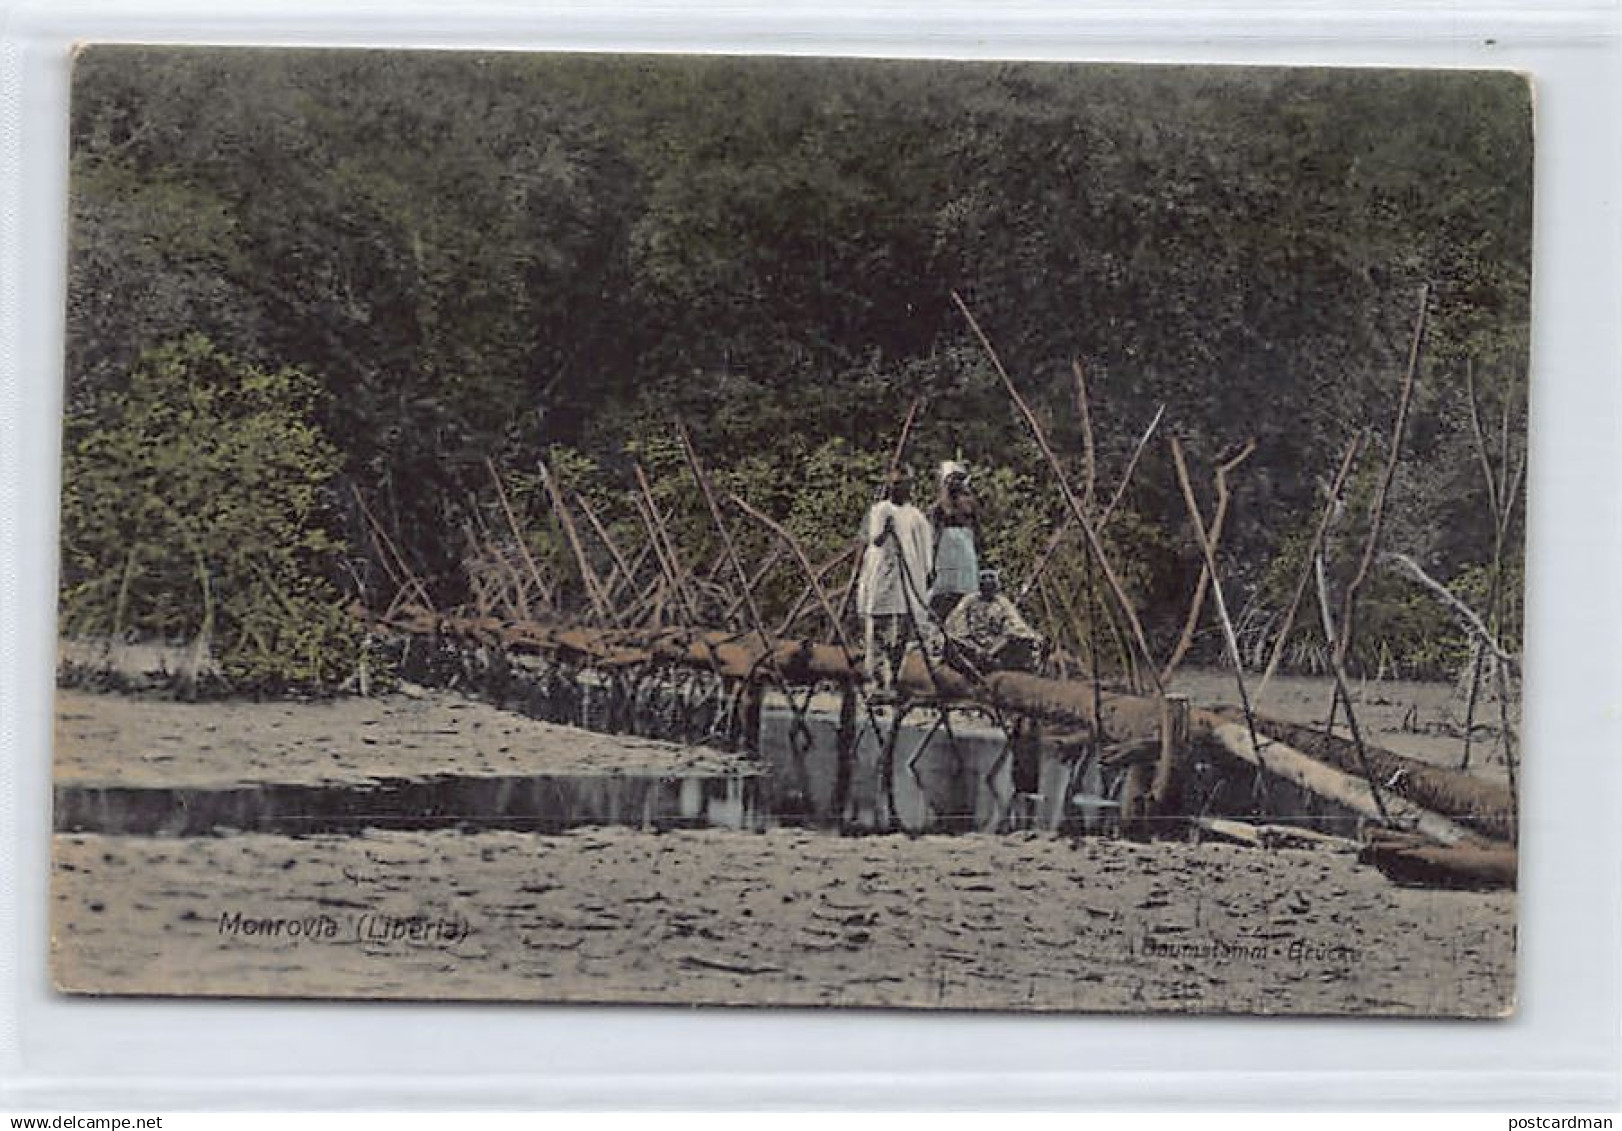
[955,519]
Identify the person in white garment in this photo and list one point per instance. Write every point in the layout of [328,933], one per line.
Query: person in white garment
[956,519]
[892,591]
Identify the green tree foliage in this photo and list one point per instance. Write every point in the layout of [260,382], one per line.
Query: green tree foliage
[194,508]
[517,257]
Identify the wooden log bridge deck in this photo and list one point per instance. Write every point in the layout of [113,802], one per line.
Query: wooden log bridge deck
[1012,750]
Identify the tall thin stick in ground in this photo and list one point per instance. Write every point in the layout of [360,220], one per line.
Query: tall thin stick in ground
[1208,551]
[1332,506]
[1371,546]
[588,576]
[1140,641]
[1342,691]
[1065,524]
[814,580]
[1218,521]
[678,573]
[386,548]
[603,536]
[1089,451]
[730,549]
[518,535]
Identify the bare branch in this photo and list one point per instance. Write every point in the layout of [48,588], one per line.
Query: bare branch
[1341,689]
[1348,610]
[1089,452]
[1464,612]
[1218,520]
[1331,509]
[1097,547]
[1209,551]
[1059,532]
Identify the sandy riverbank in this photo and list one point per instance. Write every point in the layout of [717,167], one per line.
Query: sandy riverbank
[135,740]
[1421,720]
[786,917]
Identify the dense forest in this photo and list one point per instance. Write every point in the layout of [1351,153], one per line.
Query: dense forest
[331,313]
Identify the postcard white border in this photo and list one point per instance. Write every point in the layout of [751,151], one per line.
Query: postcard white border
[1563,1048]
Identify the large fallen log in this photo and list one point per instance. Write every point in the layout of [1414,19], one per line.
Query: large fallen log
[1066,701]
[1330,783]
[1274,835]
[1408,860]
[1487,807]
[1446,806]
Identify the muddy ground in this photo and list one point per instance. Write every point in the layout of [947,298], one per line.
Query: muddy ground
[1019,921]
[788,917]
[133,740]
[1421,720]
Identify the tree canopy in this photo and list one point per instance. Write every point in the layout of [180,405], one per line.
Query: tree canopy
[515,257]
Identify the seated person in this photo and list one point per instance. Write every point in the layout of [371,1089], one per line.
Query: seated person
[986,631]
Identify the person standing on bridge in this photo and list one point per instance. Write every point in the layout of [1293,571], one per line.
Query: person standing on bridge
[891,590]
[956,522]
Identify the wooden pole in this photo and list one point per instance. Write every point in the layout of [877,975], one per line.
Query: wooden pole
[814,579]
[1068,521]
[1371,547]
[1291,765]
[1139,640]
[616,583]
[755,579]
[1218,520]
[1228,634]
[731,551]
[900,451]
[1343,691]
[518,535]
[1166,789]
[1331,509]
[678,574]
[386,547]
[666,574]
[821,572]
[588,576]
[1089,450]
[596,524]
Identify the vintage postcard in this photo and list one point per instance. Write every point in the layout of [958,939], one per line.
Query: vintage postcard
[792,531]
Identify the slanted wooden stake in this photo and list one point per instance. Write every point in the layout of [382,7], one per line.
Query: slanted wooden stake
[1342,692]
[625,569]
[1139,640]
[1089,450]
[799,604]
[518,535]
[1221,603]
[814,579]
[1331,509]
[755,579]
[1371,547]
[588,576]
[731,551]
[388,551]
[1502,492]
[657,529]
[1065,524]
[1218,520]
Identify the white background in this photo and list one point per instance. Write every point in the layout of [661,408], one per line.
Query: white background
[1561,1049]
